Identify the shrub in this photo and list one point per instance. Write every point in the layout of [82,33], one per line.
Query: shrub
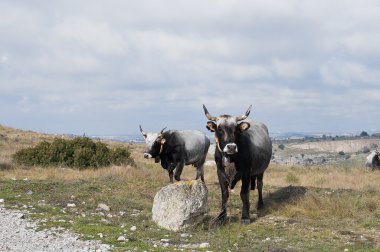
[365,149]
[341,153]
[80,152]
[281,146]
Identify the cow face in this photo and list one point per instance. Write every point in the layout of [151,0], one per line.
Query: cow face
[226,127]
[152,144]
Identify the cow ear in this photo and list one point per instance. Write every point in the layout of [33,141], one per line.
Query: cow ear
[163,140]
[211,126]
[243,126]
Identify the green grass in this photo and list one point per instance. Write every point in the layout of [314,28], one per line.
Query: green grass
[296,218]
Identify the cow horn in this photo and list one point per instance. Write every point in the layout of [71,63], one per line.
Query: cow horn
[142,132]
[243,117]
[211,118]
[162,131]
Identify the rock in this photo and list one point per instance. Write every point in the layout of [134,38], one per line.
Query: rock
[204,245]
[122,239]
[1,200]
[180,205]
[71,205]
[133,228]
[104,207]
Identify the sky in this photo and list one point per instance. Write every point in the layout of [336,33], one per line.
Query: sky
[104,67]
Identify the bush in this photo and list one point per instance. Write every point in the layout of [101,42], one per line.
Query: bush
[341,153]
[365,149]
[281,146]
[80,152]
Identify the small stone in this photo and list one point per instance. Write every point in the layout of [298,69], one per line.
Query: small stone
[204,245]
[133,228]
[346,250]
[13,179]
[121,238]
[29,192]
[83,215]
[71,205]
[25,179]
[103,207]
[186,235]
[1,200]
[109,215]
[165,240]
[267,239]
[155,245]
[100,235]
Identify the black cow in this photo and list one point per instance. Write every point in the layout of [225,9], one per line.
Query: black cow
[246,147]
[176,149]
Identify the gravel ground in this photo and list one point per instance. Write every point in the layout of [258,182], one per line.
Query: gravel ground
[20,234]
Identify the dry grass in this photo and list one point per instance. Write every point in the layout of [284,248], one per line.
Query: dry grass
[302,203]
[332,177]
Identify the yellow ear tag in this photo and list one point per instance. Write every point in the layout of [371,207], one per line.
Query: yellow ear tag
[211,127]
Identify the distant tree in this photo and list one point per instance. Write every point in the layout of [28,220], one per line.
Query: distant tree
[364,134]
[281,146]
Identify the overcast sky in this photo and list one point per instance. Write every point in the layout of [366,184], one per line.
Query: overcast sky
[104,67]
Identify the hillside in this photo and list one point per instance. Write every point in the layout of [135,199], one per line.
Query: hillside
[334,207]
[349,146]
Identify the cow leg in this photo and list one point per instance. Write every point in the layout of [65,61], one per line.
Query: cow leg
[236,179]
[200,173]
[244,195]
[178,170]
[171,173]
[225,195]
[260,203]
[253,182]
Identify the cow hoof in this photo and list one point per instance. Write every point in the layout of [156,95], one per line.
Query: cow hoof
[260,206]
[178,178]
[245,221]
[217,222]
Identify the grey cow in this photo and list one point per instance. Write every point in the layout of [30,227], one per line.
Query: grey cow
[175,149]
[373,160]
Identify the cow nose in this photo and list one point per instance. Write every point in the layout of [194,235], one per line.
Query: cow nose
[230,148]
[147,155]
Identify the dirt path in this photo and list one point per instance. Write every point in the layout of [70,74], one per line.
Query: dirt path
[20,234]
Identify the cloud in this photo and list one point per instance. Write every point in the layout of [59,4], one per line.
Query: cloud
[347,74]
[99,66]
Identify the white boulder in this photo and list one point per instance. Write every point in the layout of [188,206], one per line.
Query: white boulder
[180,205]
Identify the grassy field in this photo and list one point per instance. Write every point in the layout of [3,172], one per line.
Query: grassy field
[326,208]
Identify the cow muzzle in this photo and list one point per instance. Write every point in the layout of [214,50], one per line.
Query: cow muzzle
[230,148]
[147,155]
